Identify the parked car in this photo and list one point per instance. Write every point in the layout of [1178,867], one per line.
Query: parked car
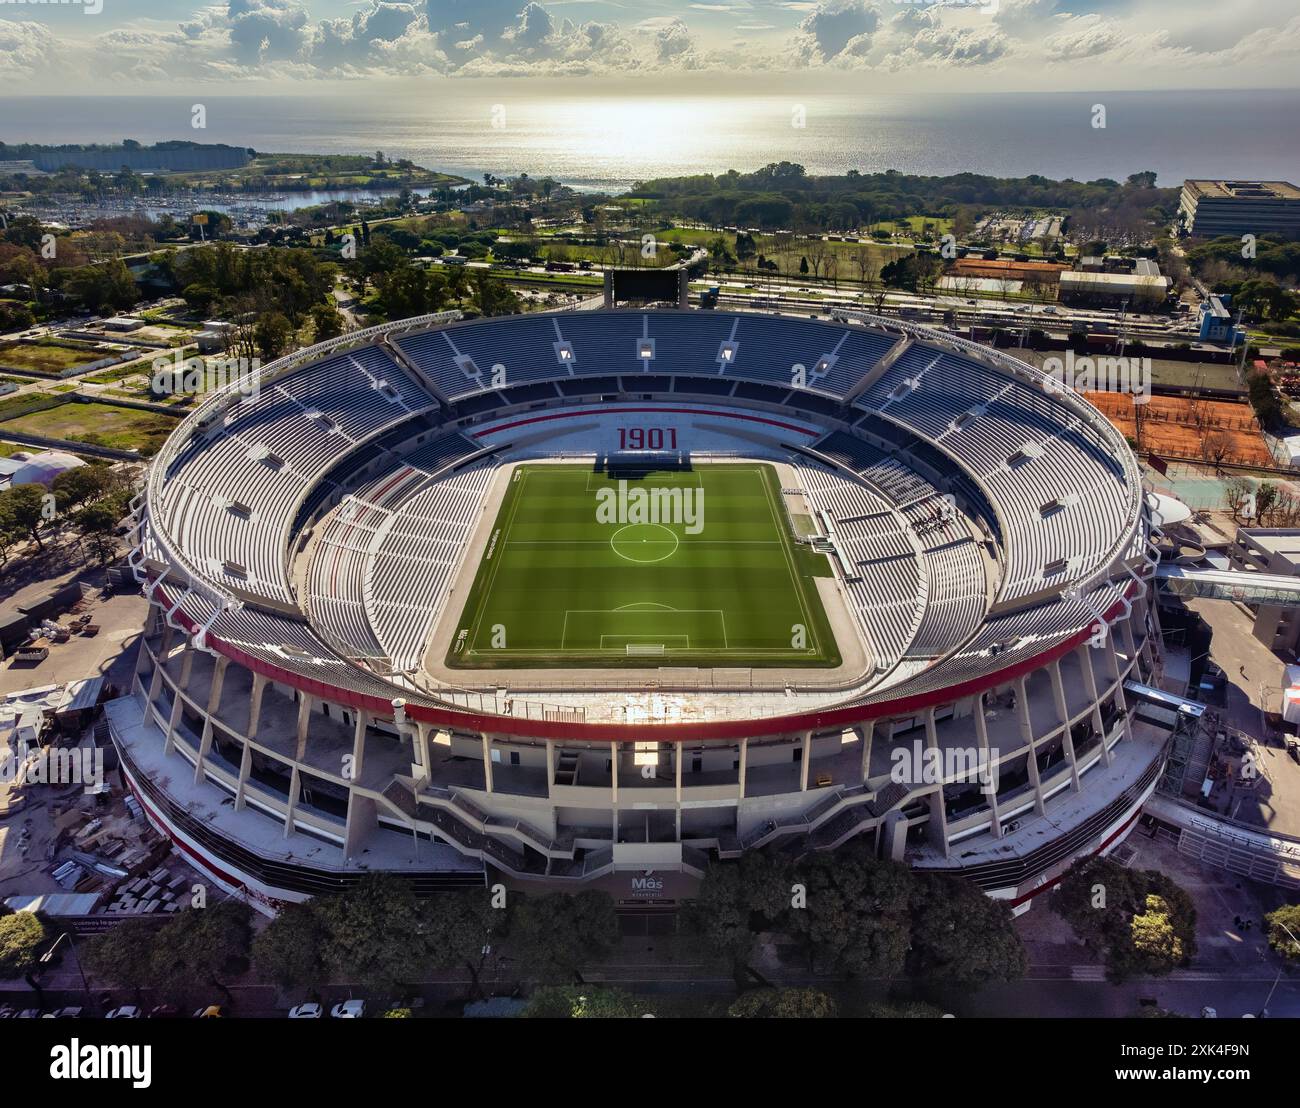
[211,1012]
[63,1014]
[125,1012]
[7,1013]
[309,1011]
[164,1012]
[349,1010]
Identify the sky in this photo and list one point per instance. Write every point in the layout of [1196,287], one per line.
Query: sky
[107,47]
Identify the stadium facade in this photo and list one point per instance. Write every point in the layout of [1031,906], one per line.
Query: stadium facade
[306,546]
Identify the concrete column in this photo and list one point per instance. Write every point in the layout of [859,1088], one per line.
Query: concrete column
[804,761]
[613,789]
[1062,711]
[259,687]
[938,828]
[487,761]
[295,786]
[1084,653]
[1027,734]
[155,682]
[219,679]
[677,775]
[359,744]
[420,762]
[142,656]
[550,767]
[304,725]
[982,736]
[744,766]
[245,765]
[360,820]
[868,733]
[1130,646]
[169,744]
[187,666]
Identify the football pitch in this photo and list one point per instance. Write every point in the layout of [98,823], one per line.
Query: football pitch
[690,567]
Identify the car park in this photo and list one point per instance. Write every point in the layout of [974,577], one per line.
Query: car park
[125,1012]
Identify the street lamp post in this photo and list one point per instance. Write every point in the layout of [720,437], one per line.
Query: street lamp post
[1263,1013]
[45,958]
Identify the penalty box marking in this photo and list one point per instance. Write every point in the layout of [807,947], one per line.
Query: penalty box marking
[656,611]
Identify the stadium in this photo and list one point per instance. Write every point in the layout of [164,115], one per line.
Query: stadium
[593,598]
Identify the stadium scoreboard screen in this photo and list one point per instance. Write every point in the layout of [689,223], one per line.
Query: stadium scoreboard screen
[624,286]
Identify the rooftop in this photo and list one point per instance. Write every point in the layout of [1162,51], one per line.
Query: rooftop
[1244,190]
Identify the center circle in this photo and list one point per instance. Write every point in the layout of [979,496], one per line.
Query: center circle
[644,542]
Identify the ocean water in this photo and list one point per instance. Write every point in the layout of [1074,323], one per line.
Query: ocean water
[595,141]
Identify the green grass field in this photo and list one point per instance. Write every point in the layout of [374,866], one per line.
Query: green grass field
[46,357]
[99,424]
[559,588]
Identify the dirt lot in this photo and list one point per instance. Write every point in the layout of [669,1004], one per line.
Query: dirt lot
[1212,430]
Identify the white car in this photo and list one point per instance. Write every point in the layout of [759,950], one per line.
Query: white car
[310,1011]
[125,1012]
[349,1010]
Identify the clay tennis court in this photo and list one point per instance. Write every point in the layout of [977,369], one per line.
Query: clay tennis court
[1178,427]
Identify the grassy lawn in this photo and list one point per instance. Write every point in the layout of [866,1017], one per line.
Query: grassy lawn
[562,585]
[101,425]
[45,357]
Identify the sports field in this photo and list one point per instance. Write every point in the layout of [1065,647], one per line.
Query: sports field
[692,567]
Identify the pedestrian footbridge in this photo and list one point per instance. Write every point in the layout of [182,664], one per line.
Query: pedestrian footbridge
[1225,584]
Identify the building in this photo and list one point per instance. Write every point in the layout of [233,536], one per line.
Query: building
[1216,323]
[1043,273]
[1143,288]
[291,723]
[1210,208]
[1276,551]
[40,468]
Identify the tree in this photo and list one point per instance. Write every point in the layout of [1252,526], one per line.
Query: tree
[372,933]
[25,510]
[1236,495]
[272,334]
[122,955]
[327,322]
[100,287]
[458,927]
[856,914]
[583,1002]
[1280,921]
[21,937]
[784,1004]
[1154,937]
[732,905]
[493,296]
[288,949]
[1215,448]
[97,526]
[1140,921]
[199,948]
[960,935]
[82,485]
[555,934]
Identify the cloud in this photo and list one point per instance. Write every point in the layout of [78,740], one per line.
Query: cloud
[833,24]
[26,48]
[1024,40]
